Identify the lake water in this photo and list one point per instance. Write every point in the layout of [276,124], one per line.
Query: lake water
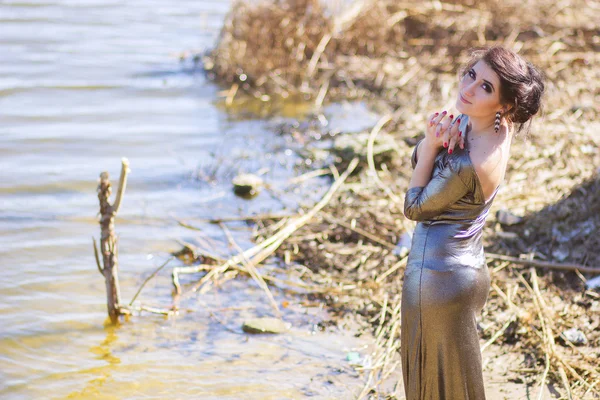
[83,84]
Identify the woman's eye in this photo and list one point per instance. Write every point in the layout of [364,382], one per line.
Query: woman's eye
[472,74]
[487,88]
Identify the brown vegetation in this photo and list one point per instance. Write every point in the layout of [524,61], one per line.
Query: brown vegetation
[404,57]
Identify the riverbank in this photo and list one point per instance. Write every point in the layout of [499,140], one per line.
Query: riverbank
[104,82]
[402,60]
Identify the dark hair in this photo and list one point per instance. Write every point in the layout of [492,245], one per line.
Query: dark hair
[521,83]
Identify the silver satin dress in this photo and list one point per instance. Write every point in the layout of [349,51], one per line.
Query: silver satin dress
[446,283]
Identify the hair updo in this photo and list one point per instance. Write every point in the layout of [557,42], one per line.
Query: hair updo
[521,83]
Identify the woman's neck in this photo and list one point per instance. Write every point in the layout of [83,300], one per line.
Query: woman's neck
[482,129]
[482,125]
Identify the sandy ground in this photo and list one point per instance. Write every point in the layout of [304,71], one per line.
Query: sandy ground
[502,379]
[504,382]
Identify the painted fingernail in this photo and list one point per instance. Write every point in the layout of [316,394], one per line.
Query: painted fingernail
[444,112]
[459,133]
[436,114]
[450,151]
[445,144]
[451,116]
[458,120]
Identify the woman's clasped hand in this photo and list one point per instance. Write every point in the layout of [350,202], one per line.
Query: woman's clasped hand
[444,131]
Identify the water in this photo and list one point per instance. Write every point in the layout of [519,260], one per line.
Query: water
[83,84]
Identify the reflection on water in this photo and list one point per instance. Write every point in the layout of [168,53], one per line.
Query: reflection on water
[95,386]
[82,84]
[194,355]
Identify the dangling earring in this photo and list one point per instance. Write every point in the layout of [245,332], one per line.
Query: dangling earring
[497,122]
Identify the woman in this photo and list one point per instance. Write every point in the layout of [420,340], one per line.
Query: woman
[446,281]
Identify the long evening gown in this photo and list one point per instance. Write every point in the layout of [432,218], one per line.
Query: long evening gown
[446,282]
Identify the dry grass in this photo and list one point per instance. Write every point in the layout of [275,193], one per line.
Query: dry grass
[403,57]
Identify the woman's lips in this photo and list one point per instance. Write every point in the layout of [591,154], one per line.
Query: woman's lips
[463,99]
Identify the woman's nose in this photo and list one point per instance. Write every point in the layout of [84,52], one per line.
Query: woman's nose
[470,89]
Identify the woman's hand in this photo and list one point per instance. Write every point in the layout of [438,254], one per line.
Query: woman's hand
[444,132]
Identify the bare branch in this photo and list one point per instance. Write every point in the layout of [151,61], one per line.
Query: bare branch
[97,257]
[122,184]
[543,264]
[150,277]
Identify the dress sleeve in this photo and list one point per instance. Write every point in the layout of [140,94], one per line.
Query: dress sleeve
[446,187]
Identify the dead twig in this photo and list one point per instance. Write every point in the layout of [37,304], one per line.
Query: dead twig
[148,279]
[499,333]
[258,253]
[544,264]
[108,240]
[97,257]
[376,129]
[360,231]
[260,217]
[252,271]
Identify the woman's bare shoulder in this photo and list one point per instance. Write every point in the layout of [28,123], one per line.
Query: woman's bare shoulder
[489,160]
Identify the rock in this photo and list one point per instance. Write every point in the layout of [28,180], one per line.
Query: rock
[561,253]
[575,336]
[246,184]
[265,325]
[348,146]
[593,283]
[506,218]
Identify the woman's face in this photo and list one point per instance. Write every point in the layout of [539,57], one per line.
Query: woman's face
[479,92]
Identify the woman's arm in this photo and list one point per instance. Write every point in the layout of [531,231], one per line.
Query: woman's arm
[425,158]
[429,196]
[428,200]
[436,138]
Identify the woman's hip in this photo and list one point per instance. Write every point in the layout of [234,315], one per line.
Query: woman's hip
[454,287]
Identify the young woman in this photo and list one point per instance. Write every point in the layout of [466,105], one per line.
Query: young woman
[446,281]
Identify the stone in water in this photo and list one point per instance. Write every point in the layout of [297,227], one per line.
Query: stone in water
[246,184]
[265,325]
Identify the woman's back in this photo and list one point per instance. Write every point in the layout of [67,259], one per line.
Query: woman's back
[489,155]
